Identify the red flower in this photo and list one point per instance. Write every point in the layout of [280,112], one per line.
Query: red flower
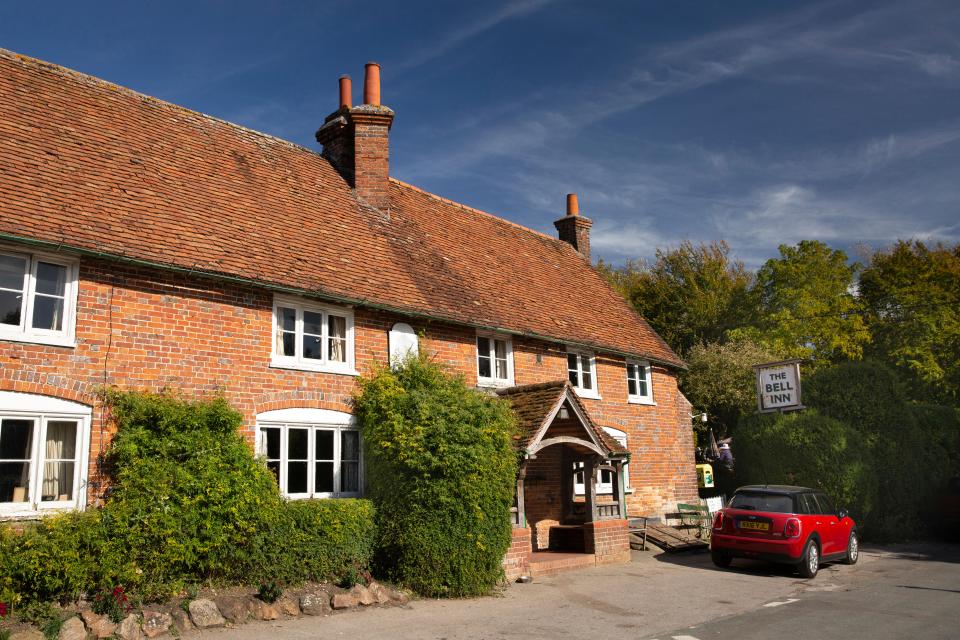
[3,610]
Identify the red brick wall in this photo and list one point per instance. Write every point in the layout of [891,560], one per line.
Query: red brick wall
[144,328]
[609,540]
[517,561]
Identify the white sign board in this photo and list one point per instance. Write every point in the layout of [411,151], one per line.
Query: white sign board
[778,386]
[403,343]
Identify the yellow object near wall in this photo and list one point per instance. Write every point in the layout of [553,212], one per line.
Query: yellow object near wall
[704,476]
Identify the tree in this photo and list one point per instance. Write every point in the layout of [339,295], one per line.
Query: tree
[912,297]
[721,381]
[690,295]
[806,305]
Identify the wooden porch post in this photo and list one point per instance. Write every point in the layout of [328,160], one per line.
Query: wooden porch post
[521,512]
[620,488]
[590,488]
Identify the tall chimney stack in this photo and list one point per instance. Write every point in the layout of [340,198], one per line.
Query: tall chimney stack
[356,140]
[573,228]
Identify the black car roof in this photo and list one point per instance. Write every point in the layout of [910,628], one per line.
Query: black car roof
[775,488]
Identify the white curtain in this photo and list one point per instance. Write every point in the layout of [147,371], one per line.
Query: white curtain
[338,338]
[59,450]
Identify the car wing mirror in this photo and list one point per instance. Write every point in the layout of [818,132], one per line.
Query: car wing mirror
[842,514]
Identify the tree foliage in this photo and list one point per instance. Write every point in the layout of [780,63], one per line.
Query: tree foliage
[690,295]
[806,307]
[912,295]
[721,380]
[441,471]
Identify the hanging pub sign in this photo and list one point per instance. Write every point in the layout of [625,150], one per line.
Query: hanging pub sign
[778,386]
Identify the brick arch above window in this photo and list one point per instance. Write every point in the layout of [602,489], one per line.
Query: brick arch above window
[52,385]
[301,400]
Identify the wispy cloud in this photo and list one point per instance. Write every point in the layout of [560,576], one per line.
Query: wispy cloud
[458,37]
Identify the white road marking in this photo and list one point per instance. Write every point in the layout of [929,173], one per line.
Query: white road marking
[777,604]
[684,638]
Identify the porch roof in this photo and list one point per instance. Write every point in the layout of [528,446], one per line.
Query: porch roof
[537,404]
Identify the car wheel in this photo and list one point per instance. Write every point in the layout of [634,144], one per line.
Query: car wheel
[810,560]
[720,559]
[853,548]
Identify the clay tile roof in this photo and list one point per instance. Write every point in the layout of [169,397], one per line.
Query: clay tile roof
[533,404]
[92,167]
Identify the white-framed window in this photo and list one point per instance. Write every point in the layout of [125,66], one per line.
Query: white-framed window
[494,360]
[582,373]
[38,297]
[312,336]
[604,476]
[44,447]
[313,453]
[639,382]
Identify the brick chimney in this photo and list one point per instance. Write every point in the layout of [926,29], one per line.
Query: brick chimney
[356,140]
[574,228]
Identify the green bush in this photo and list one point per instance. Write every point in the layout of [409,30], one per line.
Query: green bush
[189,504]
[808,449]
[313,540]
[441,471]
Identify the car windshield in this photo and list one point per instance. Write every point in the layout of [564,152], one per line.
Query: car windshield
[769,502]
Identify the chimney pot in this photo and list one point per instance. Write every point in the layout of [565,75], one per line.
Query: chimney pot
[573,207]
[346,92]
[371,84]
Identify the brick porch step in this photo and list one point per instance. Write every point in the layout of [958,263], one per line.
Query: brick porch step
[550,563]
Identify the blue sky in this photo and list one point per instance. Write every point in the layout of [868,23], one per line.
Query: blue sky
[755,122]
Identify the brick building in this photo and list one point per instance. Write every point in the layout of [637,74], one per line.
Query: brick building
[144,245]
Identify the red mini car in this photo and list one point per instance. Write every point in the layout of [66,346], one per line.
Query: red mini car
[789,525]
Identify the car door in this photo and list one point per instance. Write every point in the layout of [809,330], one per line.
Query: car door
[832,532]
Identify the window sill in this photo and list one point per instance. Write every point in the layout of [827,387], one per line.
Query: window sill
[32,338]
[583,393]
[33,514]
[299,366]
[489,383]
[637,400]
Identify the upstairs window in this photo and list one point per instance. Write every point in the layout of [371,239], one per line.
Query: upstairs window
[581,371]
[308,336]
[639,387]
[494,361]
[37,298]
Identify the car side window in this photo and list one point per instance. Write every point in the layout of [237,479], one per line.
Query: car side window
[826,505]
[808,505]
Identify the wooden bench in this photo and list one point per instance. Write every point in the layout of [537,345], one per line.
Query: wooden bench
[638,528]
[692,516]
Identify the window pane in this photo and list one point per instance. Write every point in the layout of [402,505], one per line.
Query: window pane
[484,368]
[349,445]
[289,344]
[274,466]
[47,313]
[324,445]
[272,440]
[587,379]
[312,322]
[643,383]
[61,440]
[298,444]
[16,438]
[483,346]
[502,370]
[324,477]
[312,347]
[572,364]
[574,377]
[826,504]
[297,477]
[337,330]
[51,279]
[500,353]
[11,305]
[631,385]
[350,477]
[57,481]
[288,319]
[12,270]
[14,481]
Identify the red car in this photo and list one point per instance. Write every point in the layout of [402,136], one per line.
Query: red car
[789,525]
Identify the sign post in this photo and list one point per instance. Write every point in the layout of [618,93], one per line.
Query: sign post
[778,386]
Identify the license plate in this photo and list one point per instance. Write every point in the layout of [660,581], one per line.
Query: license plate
[754,526]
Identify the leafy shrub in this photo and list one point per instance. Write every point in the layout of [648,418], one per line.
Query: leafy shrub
[441,471]
[312,540]
[190,503]
[808,449]
[269,591]
[112,603]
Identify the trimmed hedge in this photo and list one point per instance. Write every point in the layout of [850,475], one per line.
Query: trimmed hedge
[808,449]
[441,470]
[189,504]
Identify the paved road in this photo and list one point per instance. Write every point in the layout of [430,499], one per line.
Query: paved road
[904,592]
